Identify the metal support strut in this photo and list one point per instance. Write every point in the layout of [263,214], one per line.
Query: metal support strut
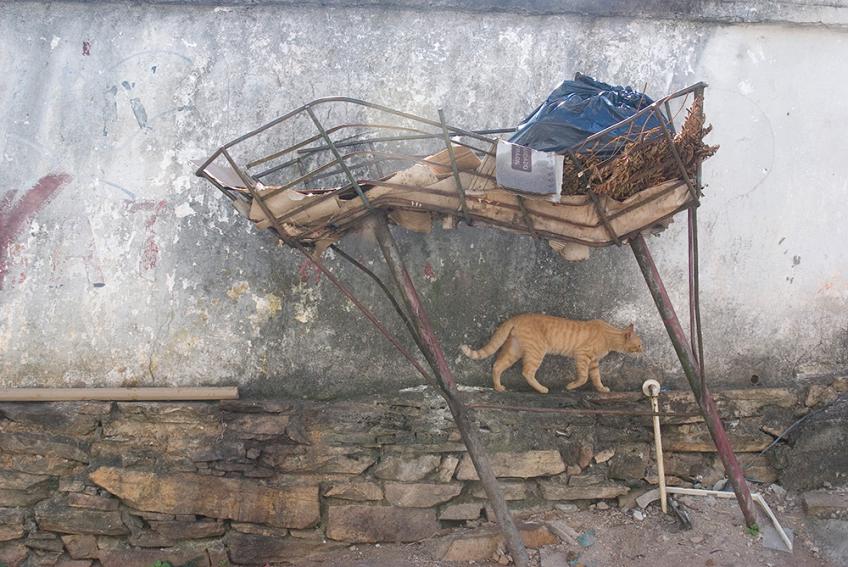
[693,375]
[447,387]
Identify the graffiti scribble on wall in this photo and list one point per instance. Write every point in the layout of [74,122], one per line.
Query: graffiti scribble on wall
[15,214]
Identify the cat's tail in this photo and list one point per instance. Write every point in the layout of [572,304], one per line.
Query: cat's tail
[498,339]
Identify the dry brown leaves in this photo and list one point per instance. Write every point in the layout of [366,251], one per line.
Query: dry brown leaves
[641,165]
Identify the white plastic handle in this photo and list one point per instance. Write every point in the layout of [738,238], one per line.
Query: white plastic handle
[651,388]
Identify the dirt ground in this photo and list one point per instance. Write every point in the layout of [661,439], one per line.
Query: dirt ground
[718,539]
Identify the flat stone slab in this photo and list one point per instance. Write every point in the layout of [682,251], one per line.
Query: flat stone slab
[146,558]
[420,495]
[557,491]
[462,511]
[526,464]
[363,490]
[373,524]
[215,497]
[826,504]
[56,516]
[406,468]
[81,546]
[482,544]
[317,459]
[512,490]
[260,550]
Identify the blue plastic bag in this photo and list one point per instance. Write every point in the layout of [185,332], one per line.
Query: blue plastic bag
[579,108]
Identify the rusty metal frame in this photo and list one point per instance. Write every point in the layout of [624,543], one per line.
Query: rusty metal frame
[693,374]
[690,353]
[454,169]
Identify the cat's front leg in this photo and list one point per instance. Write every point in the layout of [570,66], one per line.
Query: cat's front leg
[595,374]
[582,363]
[532,361]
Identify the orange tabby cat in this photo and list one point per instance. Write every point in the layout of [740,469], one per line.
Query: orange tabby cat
[531,336]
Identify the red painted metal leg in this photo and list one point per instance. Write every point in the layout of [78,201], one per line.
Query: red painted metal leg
[447,385]
[693,375]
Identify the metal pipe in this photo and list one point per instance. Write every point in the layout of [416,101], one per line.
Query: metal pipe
[677,159]
[692,372]
[580,411]
[650,108]
[651,388]
[695,334]
[448,390]
[454,169]
[364,269]
[339,158]
[325,100]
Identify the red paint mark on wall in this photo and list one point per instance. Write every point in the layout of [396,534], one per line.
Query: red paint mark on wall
[15,215]
[86,48]
[150,248]
[306,270]
[429,274]
[150,255]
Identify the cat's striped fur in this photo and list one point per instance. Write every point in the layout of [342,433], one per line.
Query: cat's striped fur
[532,335]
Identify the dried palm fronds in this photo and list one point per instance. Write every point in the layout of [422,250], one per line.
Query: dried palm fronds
[640,164]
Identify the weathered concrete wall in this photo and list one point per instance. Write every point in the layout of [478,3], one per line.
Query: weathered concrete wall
[119,267]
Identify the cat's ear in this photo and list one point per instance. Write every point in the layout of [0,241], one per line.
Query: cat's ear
[631,329]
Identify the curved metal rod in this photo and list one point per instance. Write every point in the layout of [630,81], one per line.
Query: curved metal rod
[579,411]
[319,149]
[388,156]
[645,110]
[366,104]
[331,130]
[389,295]
[326,100]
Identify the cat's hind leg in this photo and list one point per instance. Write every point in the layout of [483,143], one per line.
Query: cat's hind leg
[582,363]
[595,375]
[532,361]
[509,355]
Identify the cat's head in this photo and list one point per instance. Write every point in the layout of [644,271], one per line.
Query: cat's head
[632,342]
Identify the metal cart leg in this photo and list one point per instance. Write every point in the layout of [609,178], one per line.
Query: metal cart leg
[693,375]
[447,385]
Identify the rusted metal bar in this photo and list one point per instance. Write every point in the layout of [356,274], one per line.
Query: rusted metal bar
[345,169]
[338,157]
[331,99]
[693,375]
[683,173]
[650,108]
[579,411]
[691,257]
[670,117]
[526,216]
[696,262]
[410,137]
[447,387]
[389,295]
[594,198]
[377,165]
[316,137]
[599,209]
[695,334]
[454,169]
